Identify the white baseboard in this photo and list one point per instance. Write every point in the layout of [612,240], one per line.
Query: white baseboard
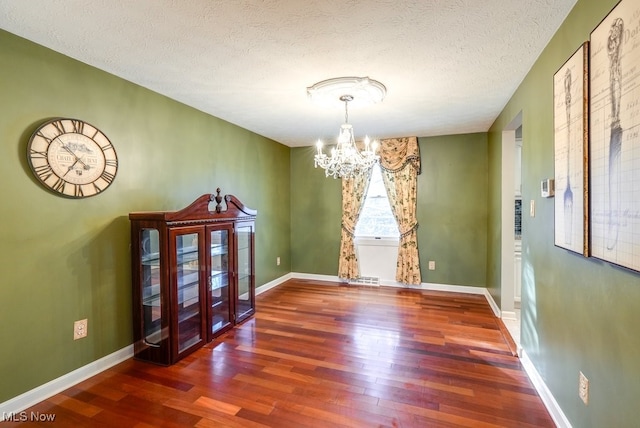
[509,315]
[494,306]
[452,288]
[548,399]
[423,286]
[49,389]
[272,284]
[316,277]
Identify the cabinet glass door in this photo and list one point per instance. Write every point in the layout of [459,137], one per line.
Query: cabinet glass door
[188,288]
[150,284]
[244,289]
[219,295]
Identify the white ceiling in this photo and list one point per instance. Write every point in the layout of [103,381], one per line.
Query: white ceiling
[449,66]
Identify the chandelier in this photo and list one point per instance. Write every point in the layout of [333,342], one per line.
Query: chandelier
[346,160]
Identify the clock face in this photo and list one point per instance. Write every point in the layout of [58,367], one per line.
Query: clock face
[72,158]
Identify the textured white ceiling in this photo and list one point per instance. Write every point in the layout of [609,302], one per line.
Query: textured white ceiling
[449,66]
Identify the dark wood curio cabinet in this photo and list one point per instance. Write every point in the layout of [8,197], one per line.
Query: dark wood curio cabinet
[193,275]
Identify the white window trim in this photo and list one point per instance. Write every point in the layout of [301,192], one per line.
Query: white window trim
[381,241]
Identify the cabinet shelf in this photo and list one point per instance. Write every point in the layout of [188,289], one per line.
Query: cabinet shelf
[152,259]
[219,303]
[218,322]
[189,293]
[219,250]
[186,315]
[154,339]
[186,258]
[153,301]
[188,278]
[219,279]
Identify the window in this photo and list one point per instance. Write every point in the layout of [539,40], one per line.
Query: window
[376,218]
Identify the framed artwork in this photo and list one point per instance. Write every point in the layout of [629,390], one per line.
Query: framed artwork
[570,124]
[614,133]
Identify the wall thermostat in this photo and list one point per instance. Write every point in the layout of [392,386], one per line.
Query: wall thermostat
[546,188]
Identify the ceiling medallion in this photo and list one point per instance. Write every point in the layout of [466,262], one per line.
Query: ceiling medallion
[365,91]
[346,161]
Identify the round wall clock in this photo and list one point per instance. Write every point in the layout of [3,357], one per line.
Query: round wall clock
[72,158]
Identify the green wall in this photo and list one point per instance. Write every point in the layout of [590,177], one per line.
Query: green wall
[62,259]
[452,214]
[315,216]
[578,314]
[452,209]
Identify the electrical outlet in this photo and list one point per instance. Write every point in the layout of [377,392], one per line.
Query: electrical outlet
[432,265]
[583,388]
[277,261]
[79,329]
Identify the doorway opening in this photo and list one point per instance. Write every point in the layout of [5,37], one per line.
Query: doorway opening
[511,205]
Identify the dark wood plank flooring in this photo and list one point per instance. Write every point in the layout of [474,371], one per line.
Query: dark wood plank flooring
[322,355]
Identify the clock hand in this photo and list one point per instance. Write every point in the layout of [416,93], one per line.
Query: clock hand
[84,165]
[71,167]
[70,151]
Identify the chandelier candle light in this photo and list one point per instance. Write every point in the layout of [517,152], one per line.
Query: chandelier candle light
[346,161]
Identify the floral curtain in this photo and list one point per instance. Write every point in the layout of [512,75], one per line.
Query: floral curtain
[353,195]
[400,162]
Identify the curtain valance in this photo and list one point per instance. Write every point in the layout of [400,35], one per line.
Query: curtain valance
[395,153]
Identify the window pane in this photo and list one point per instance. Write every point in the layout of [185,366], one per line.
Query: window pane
[376,218]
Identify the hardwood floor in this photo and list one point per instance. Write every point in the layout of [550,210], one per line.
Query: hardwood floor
[322,355]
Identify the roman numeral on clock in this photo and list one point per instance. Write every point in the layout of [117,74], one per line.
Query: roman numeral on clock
[107,176]
[44,137]
[59,126]
[106,147]
[59,185]
[43,171]
[35,154]
[97,188]
[78,126]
